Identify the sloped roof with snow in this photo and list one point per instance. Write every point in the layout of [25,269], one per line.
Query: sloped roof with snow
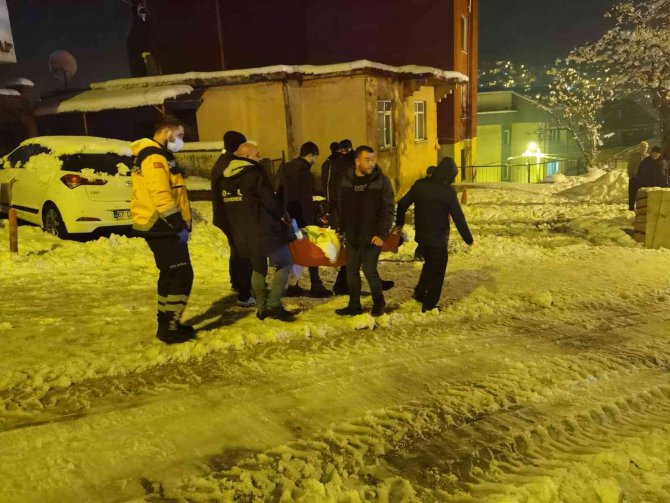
[119,98]
[19,82]
[277,72]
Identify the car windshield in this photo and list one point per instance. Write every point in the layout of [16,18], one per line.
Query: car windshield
[110,164]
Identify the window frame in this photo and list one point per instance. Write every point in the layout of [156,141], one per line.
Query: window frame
[384,119]
[420,120]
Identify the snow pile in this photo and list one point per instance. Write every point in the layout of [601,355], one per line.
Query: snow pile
[325,239]
[198,183]
[68,145]
[609,187]
[261,411]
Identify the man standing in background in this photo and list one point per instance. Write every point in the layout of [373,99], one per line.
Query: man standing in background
[259,228]
[297,191]
[239,269]
[634,161]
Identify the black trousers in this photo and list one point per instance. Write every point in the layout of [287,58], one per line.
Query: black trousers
[430,283]
[632,193]
[175,278]
[366,258]
[314,278]
[240,275]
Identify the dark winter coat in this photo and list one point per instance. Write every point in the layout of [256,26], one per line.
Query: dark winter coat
[365,207]
[652,173]
[251,211]
[434,200]
[329,177]
[217,200]
[296,187]
[338,168]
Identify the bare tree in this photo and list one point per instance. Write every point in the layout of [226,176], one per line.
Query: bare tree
[575,99]
[634,54]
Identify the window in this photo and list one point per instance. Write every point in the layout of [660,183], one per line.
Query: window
[464,101]
[420,121]
[554,135]
[464,34]
[100,163]
[385,123]
[19,157]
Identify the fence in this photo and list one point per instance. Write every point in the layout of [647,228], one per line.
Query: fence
[521,173]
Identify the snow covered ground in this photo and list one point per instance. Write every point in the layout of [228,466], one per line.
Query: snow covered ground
[544,379]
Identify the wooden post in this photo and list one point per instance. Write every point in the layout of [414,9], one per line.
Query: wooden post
[464,196]
[13,232]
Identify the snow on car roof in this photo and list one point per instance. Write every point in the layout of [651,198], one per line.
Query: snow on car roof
[64,145]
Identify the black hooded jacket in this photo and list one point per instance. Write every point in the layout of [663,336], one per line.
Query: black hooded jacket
[652,173]
[434,200]
[337,169]
[365,207]
[329,175]
[217,200]
[297,189]
[250,211]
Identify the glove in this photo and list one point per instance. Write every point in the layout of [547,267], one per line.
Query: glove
[183,235]
[175,220]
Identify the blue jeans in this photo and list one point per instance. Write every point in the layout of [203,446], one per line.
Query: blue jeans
[365,257]
[281,259]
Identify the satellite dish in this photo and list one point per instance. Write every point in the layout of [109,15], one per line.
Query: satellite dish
[62,65]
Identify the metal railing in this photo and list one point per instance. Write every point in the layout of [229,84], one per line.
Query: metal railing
[521,173]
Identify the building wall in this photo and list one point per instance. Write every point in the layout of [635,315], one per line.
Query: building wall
[416,155]
[219,34]
[490,144]
[283,115]
[406,161]
[257,110]
[327,110]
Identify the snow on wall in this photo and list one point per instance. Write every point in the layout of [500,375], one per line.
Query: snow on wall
[67,145]
[105,99]
[291,69]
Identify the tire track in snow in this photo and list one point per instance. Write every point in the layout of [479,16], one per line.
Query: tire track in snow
[347,455]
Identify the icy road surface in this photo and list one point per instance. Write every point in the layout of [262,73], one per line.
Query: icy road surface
[545,379]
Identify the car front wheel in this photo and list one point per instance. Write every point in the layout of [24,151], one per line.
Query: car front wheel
[53,221]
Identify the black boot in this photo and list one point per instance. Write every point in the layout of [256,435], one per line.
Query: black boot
[170,331]
[295,291]
[318,291]
[378,308]
[350,310]
[387,284]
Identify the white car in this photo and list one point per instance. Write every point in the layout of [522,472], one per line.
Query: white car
[69,184]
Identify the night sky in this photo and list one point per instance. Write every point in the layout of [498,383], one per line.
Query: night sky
[538,31]
[524,31]
[94,31]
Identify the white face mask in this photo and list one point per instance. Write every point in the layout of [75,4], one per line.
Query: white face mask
[176,145]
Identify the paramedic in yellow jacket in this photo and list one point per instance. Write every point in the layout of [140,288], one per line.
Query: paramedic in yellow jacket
[162,215]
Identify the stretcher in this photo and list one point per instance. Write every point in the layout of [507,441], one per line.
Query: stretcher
[307,254]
